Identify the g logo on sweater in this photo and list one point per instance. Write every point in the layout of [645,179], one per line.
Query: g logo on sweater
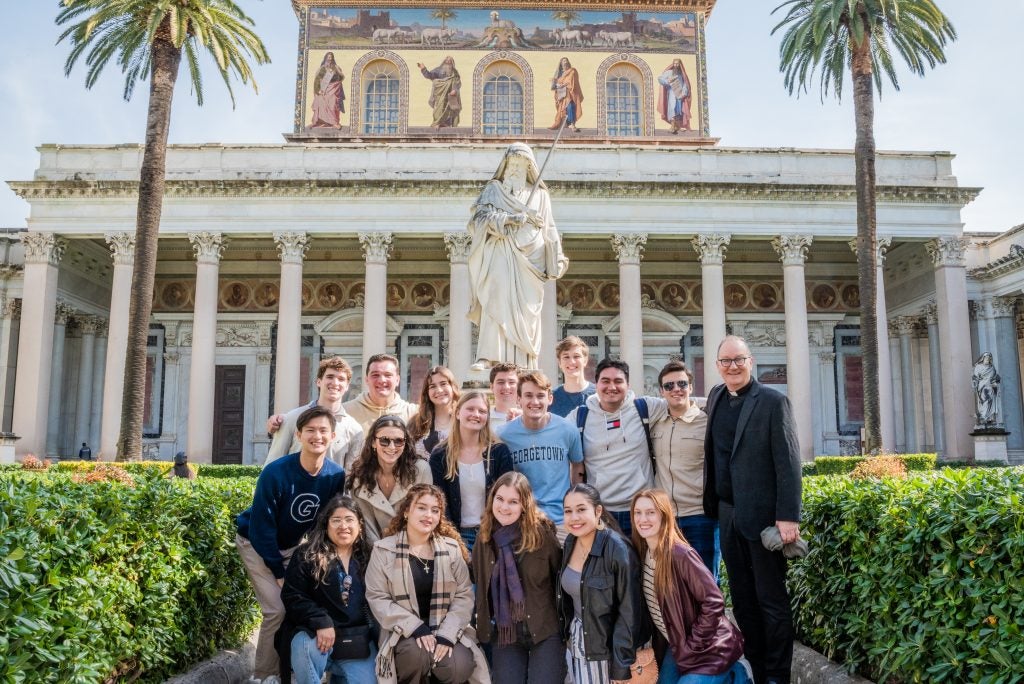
[304,507]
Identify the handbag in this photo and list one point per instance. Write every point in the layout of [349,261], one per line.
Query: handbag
[644,669]
[351,643]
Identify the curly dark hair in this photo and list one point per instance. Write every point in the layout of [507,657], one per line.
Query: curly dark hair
[319,550]
[444,528]
[366,467]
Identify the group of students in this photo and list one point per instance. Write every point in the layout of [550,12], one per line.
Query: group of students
[465,543]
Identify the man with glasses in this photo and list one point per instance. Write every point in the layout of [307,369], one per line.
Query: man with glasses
[678,441]
[752,483]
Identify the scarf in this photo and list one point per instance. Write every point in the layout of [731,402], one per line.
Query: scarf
[506,588]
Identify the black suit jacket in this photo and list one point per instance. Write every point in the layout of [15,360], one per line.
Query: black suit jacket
[765,463]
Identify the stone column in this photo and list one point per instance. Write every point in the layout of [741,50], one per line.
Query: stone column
[460,330]
[208,248]
[954,342]
[886,401]
[828,399]
[83,409]
[292,247]
[43,252]
[10,313]
[549,337]
[711,250]
[54,417]
[629,249]
[905,327]
[122,249]
[792,250]
[1008,366]
[96,402]
[376,250]
[931,318]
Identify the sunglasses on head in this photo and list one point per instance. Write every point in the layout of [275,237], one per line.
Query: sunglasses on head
[388,441]
[672,384]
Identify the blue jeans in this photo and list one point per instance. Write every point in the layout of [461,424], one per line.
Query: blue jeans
[702,533]
[668,673]
[309,664]
[469,536]
[624,521]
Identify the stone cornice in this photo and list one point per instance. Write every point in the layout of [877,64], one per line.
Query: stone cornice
[638,5]
[387,188]
[1014,261]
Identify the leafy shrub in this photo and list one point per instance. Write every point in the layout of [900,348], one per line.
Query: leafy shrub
[147,468]
[879,466]
[105,472]
[222,471]
[808,469]
[917,579]
[102,582]
[30,462]
[842,465]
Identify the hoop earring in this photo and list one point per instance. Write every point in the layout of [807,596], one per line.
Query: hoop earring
[600,523]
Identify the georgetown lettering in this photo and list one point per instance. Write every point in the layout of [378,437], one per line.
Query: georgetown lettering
[538,453]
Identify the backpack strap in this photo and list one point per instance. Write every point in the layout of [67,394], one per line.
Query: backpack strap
[645,420]
[581,420]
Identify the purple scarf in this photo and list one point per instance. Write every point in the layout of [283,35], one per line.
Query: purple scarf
[506,589]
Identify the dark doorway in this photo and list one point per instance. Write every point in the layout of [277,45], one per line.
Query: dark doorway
[228,414]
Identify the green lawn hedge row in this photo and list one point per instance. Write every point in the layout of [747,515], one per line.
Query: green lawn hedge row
[918,579]
[207,470]
[842,465]
[108,582]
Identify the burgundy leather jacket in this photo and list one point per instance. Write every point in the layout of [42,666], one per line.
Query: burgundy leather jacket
[702,638]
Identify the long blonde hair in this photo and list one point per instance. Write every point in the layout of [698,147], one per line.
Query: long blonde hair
[531,521]
[453,444]
[668,536]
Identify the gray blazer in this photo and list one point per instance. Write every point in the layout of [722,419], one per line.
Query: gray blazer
[765,463]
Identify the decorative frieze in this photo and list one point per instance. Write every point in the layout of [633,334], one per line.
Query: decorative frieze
[711,248]
[122,247]
[43,248]
[947,251]
[458,245]
[629,247]
[376,247]
[209,247]
[292,247]
[792,249]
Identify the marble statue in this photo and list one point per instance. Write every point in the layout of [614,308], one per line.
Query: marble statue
[986,381]
[515,249]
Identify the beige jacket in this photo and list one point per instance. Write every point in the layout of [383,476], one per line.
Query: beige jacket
[679,447]
[378,510]
[384,582]
[348,438]
[366,412]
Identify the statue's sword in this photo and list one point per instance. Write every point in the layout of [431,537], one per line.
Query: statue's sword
[540,174]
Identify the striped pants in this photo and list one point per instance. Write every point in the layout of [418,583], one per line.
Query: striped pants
[581,670]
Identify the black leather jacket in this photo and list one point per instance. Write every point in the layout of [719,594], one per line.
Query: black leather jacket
[612,596]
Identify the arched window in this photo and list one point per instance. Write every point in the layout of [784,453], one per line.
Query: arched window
[623,87]
[381,111]
[503,102]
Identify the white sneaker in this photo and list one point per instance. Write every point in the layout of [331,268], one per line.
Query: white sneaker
[272,679]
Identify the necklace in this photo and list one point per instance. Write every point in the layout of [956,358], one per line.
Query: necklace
[424,563]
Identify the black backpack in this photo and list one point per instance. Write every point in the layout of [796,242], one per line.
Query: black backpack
[582,411]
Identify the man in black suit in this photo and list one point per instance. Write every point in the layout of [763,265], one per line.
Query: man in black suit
[752,481]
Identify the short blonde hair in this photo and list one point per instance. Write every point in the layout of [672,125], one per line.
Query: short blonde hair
[572,342]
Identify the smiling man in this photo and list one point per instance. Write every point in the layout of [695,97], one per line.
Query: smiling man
[380,393]
[573,355]
[288,495]
[504,379]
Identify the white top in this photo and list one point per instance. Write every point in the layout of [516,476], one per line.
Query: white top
[473,486]
[649,596]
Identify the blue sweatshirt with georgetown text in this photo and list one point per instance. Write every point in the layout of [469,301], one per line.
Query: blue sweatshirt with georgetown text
[285,505]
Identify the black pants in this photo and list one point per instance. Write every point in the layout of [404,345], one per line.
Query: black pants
[526,663]
[757,581]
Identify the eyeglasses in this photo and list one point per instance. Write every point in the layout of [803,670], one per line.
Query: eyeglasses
[738,361]
[346,586]
[388,441]
[671,385]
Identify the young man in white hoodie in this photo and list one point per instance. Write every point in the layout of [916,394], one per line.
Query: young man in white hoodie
[616,449]
[380,393]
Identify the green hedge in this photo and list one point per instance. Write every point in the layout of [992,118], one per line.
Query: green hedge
[108,582]
[916,579]
[158,468]
[843,465]
[228,471]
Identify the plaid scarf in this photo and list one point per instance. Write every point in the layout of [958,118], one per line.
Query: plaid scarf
[440,598]
[506,588]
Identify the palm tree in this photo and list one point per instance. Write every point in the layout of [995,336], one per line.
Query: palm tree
[861,34]
[148,38]
[444,14]
[568,16]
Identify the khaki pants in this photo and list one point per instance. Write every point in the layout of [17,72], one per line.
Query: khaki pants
[413,664]
[268,595]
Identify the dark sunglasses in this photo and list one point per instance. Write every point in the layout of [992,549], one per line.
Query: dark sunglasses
[388,441]
[672,384]
[346,586]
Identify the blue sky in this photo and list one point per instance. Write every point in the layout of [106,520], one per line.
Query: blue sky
[971,106]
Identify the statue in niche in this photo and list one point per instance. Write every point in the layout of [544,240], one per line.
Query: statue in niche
[515,249]
[985,381]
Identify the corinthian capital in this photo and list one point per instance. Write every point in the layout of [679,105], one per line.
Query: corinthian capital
[882,245]
[63,312]
[376,247]
[792,249]
[1003,306]
[711,248]
[122,248]
[208,247]
[43,248]
[947,251]
[629,247]
[906,325]
[292,247]
[930,313]
[457,245]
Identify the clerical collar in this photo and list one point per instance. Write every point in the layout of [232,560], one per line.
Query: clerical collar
[742,390]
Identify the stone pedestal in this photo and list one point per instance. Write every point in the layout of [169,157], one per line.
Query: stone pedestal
[7,449]
[990,446]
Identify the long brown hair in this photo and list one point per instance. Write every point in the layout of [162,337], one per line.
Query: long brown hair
[454,442]
[531,522]
[668,536]
[366,467]
[319,550]
[444,528]
[423,422]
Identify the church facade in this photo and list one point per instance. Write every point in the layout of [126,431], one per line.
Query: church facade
[350,238]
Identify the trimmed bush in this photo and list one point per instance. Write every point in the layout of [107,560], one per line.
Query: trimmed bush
[842,465]
[222,471]
[103,581]
[916,579]
[157,468]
